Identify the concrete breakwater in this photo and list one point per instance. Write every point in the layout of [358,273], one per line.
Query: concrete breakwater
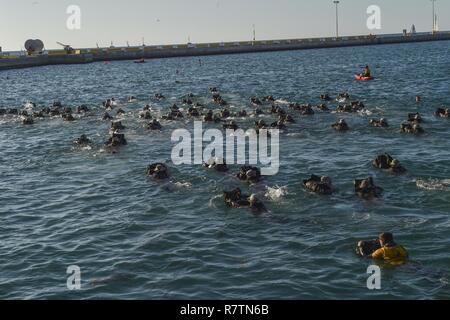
[82,56]
[43,60]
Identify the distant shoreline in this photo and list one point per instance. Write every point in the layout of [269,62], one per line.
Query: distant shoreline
[83,56]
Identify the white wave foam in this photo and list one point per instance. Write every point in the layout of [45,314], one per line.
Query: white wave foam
[183,184]
[361,217]
[294,134]
[276,192]
[433,184]
[365,112]
[28,105]
[212,201]
[282,101]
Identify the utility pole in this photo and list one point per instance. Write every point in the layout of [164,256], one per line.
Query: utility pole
[337,18]
[434,17]
[254,33]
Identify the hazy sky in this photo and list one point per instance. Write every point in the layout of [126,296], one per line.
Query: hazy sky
[172,21]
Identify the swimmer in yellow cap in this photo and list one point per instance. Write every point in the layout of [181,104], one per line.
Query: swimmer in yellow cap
[390,251]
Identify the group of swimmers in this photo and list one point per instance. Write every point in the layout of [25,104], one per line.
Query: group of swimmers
[365,188]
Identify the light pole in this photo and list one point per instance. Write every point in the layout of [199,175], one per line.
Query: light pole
[254,33]
[434,23]
[434,17]
[337,18]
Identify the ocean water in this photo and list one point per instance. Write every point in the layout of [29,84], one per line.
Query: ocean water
[135,238]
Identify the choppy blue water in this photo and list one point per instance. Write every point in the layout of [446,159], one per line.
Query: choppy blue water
[135,238]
